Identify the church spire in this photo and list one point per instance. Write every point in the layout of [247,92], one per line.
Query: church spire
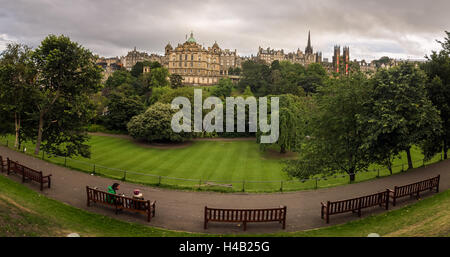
[309,49]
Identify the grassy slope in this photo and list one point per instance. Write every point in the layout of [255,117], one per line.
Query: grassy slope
[429,217]
[205,160]
[24,212]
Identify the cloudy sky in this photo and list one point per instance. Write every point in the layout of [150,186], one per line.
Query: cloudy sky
[396,28]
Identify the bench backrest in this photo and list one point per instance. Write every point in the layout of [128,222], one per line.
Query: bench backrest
[251,215]
[374,200]
[116,200]
[400,191]
[15,167]
[357,203]
[23,170]
[32,174]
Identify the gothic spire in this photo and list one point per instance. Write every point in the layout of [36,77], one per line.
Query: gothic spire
[309,49]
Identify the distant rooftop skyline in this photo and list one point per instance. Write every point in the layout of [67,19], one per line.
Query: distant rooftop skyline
[398,29]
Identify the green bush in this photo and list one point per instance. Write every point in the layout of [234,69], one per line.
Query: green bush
[155,125]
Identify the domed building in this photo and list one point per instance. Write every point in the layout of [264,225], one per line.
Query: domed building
[196,64]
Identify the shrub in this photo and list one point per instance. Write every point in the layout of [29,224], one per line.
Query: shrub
[155,125]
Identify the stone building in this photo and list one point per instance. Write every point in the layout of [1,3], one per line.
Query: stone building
[198,65]
[109,66]
[228,59]
[269,55]
[135,56]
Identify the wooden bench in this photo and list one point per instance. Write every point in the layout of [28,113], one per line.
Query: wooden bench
[3,164]
[28,173]
[354,205]
[245,215]
[414,189]
[121,202]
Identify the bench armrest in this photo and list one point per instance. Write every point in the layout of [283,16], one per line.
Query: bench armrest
[323,204]
[390,190]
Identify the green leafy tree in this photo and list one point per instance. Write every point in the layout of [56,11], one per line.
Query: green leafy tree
[288,78]
[138,68]
[17,88]
[154,125]
[176,81]
[118,78]
[255,75]
[402,112]
[438,88]
[120,110]
[293,119]
[234,71]
[187,92]
[337,136]
[315,76]
[67,76]
[398,114]
[223,89]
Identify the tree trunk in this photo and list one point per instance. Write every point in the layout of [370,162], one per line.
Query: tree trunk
[408,155]
[445,149]
[39,138]
[352,177]
[282,149]
[17,128]
[390,169]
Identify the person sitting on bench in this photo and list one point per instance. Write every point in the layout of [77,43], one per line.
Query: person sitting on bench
[137,195]
[112,190]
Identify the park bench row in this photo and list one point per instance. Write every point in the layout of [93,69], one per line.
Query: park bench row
[147,207]
[382,199]
[26,173]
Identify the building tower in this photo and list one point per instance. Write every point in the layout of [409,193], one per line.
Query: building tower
[168,48]
[309,49]
[336,58]
[346,59]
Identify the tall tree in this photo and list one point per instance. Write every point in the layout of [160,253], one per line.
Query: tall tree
[67,75]
[438,88]
[337,135]
[314,77]
[293,120]
[401,115]
[17,77]
[120,110]
[255,75]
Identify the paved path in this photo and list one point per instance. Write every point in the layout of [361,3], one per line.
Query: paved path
[183,210]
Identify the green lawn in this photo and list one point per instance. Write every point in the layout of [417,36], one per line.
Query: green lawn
[239,163]
[24,212]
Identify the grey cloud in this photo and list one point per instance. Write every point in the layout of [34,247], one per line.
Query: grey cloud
[111,28]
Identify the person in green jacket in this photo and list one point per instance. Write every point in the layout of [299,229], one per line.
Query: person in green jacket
[112,190]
